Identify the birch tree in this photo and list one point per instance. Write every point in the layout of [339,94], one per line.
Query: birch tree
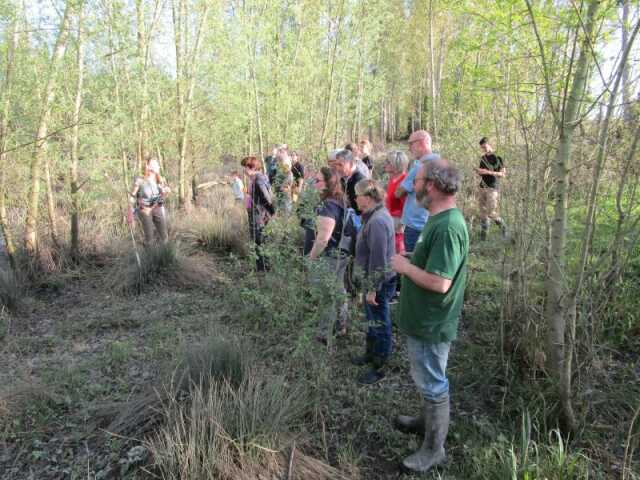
[39,149]
[566,114]
[75,138]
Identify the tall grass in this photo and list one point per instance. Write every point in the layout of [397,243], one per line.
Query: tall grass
[219,416]
[218,225]
[215,359]
[529,459]
[217,231]
[155,266]
[227,431]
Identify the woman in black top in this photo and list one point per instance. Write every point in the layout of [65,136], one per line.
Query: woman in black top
[327,262]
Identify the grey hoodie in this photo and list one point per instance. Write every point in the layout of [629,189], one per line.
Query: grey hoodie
[375,246]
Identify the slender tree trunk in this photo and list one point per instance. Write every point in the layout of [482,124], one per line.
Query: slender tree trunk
[39,151]
[75,141]
[186,65]
[118,97]
[5,95]
[178,8]
[256,98]
[142,111]
[51,204]
[192,69]
[623,213]
[626,84]
[557,307]
[332,66]
[432,76]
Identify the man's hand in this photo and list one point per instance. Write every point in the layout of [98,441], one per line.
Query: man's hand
[400,264]
[370,298]
[483,171]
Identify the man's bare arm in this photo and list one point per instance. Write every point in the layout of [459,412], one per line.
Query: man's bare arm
[425,280]
[493,173]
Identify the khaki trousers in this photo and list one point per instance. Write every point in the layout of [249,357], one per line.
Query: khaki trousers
[154,219]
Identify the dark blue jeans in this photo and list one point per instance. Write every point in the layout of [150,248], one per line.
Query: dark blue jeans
[411,238]
[379,338]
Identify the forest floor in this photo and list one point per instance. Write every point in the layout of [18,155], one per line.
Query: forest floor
[76,349]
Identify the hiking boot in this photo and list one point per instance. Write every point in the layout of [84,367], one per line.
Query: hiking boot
[370,377]
[436,426]
[361,360]
[409,424]
[367,357]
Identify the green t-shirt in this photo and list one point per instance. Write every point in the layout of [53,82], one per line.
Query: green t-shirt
[442,249]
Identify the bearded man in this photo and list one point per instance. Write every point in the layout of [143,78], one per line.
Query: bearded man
[430,305]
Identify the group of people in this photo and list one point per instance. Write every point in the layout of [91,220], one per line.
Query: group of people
[409,231]
[412,231]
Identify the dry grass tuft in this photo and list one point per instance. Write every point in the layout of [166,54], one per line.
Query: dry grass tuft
[216,359]
[219,226]
[218,416]
[160,265]
[235,432]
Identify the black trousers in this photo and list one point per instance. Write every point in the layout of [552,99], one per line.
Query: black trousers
[256,233]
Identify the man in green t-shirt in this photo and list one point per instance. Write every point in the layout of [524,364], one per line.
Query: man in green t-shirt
[431,303]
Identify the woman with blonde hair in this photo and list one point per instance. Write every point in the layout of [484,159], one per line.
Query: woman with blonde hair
[148,195]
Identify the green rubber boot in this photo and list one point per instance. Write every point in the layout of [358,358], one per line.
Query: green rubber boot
[436,426]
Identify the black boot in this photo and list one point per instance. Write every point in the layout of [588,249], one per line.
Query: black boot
[409,424]
[484,226]
[367,357]
[374,374]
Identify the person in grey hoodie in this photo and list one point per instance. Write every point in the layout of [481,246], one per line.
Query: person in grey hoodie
[374,248]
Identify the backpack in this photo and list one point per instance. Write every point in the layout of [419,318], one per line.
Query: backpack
[351,224]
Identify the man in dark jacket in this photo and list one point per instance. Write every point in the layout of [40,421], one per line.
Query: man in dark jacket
[346,168]
[491,170]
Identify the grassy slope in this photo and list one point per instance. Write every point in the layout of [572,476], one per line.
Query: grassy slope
[79,348]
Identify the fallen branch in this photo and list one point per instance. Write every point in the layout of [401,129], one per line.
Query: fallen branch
[43,138]
[290,469]
[212,183]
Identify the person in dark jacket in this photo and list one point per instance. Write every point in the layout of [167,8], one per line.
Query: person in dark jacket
[260,205]
[374,248]
[346,167]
